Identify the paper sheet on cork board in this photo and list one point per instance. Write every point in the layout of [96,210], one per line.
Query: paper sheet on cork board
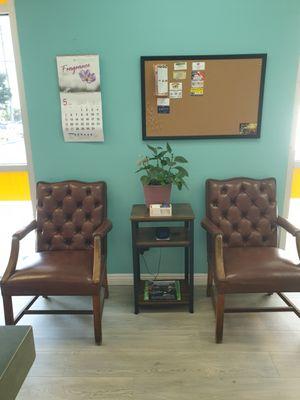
[80,98]
[215,96]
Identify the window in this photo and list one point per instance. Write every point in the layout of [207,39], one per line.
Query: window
[15,199]
[12,146]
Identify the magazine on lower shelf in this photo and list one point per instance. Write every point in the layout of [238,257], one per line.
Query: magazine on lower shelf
[162,290]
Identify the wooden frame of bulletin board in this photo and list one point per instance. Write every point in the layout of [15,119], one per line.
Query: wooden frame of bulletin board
[202,96]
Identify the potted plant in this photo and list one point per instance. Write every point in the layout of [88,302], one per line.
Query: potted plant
[160,170]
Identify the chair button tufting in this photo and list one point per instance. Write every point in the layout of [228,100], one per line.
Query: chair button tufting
[224,190]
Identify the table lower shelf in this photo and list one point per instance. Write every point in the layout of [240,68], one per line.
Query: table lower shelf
[185,296]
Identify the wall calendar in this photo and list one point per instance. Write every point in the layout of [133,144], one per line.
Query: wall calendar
[80,98]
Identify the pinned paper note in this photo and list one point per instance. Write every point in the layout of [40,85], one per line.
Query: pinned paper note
[161,80]
[175,85]
[197,91]
[163,105]
[179,66]
[248,128]
[179,75]
[175,90]
[198,76]
[198,66]
[197,84]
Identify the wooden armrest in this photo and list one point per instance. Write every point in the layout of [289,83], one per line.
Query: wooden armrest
[285,224]
[103,229]
[97,259]
[24,231]
[290,228]
[210,227]
[219,262]
[14,252]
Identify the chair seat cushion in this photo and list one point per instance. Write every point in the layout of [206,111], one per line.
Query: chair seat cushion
[65,272]
[259,270]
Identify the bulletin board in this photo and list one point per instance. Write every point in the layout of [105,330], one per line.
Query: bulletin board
[217,96]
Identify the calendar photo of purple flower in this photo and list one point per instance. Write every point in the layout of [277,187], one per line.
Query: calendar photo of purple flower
[78,74]
[87,76]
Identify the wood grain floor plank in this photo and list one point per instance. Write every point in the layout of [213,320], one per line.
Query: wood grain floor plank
[74,389]
[161,354]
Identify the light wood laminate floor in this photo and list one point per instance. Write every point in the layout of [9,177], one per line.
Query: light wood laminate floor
[164,354]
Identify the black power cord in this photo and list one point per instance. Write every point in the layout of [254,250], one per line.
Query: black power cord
[154,276]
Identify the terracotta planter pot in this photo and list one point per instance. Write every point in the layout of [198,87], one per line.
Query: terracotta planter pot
[157,194]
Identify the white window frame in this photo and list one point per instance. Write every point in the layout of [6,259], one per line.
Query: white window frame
[9,9]
[292,163]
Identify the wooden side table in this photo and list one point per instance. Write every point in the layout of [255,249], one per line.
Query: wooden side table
[180,236]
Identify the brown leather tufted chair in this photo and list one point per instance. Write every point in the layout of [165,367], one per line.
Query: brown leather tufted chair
[71,228]
[242,245]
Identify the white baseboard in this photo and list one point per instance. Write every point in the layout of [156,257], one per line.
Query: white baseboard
[127,279]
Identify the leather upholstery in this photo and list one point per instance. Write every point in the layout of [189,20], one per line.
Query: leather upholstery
[54,273]
[258,269]
[68,213]
[244,210]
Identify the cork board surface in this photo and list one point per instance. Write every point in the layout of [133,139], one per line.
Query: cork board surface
[233,91]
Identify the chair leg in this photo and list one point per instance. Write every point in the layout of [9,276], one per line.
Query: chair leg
[8,310]
[106,292]
[97,319]
[219,317]
[209,281]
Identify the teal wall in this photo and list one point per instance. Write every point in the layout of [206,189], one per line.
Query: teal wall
[121,31]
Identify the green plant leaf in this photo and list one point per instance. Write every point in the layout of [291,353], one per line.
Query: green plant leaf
[184,184]
[152,148]
[161,154]
[180,159]
[145,180]
[182,171]
[168,147]
[171,163]
[179,185]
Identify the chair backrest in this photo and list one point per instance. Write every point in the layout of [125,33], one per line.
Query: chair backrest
[68,213]
[244,209]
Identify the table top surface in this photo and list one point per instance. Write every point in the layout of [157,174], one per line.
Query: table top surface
[11,337]
[180,212]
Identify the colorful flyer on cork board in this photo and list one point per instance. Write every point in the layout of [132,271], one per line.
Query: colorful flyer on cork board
[206,96]
[80,98]
[163,105]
